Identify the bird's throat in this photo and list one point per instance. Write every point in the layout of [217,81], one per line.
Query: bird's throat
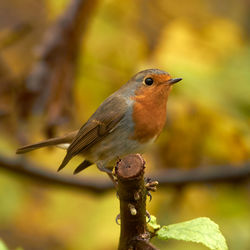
[149,115]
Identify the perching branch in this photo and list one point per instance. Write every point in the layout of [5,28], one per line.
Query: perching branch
[166,178]
[132,194]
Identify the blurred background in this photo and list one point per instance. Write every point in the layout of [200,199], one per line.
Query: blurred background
[60,59]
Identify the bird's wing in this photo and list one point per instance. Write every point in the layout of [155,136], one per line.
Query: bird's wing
[100,124]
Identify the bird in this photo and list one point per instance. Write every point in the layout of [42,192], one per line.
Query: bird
[126,122]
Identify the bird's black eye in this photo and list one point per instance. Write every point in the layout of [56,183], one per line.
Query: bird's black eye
[149,81]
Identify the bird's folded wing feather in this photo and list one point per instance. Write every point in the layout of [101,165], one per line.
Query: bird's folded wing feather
[100,124]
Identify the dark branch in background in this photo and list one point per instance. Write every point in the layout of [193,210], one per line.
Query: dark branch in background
[132,194]
[8,83]
[38,173]
[167,178]
[14,34]
[48,89]
[208,174]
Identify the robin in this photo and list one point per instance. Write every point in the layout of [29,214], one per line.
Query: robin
[126,122]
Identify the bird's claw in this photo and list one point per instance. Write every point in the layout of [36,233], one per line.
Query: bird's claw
[118,217]
[149,195]
[117,195]
[148,216]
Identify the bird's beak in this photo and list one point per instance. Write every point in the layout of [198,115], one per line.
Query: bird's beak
[174,80]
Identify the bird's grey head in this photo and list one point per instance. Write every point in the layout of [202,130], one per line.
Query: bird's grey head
[135,82]
[140,76]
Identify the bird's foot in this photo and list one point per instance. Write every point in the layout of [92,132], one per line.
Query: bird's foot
[104,169]
[150,186]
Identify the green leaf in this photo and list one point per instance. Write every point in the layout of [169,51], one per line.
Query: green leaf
[153,223]
[2,245]
[200,230]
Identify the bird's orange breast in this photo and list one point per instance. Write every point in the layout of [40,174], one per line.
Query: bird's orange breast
[149,112]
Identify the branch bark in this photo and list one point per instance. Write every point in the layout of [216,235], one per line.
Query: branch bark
[132,195]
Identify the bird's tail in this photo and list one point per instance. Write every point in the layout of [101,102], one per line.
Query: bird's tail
[50,142]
